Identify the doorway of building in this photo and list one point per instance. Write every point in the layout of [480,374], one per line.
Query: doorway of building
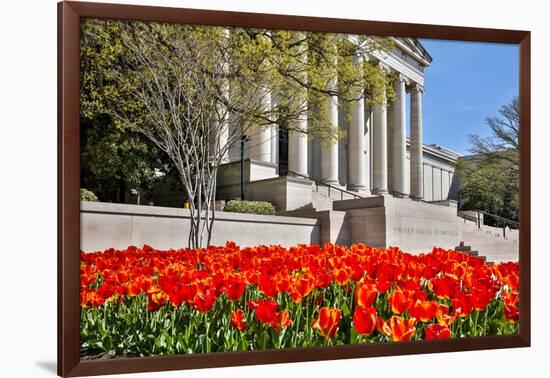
[283,151]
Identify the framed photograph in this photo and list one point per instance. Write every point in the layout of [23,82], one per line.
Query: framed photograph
[241,188]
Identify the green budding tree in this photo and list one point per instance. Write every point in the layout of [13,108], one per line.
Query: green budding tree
[195,90]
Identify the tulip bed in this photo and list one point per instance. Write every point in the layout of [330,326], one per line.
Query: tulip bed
[142,301]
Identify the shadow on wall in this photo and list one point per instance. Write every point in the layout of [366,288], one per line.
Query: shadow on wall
[49,366]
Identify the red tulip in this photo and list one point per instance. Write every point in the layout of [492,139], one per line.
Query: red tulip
[87,279]
[511,313]
[481,296]
[267,286]
[443,287]
[511,298]
[235,289]
[122,277]
[204,301]
[364,320]
[266,311]
[437,331]
[463,304]
[238,320]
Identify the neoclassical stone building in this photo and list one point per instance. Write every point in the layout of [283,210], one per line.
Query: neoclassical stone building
[375,158]
[377,186]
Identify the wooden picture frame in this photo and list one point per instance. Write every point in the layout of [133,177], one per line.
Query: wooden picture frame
[69,15]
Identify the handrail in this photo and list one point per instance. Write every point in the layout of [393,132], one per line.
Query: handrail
[479,222]
[472,218]
[506,220]
[320,183]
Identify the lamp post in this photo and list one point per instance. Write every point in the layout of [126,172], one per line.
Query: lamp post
[244,138]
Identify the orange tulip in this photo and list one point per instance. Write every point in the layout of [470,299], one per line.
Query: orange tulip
[342,275]
[511,298]
[301,287]
[443,317]
[398,328]
[284,320]
[133,288]
[400,301]
[365,295]
[327,322]
[424,310]
[282,282]
[160,298]
[157,300]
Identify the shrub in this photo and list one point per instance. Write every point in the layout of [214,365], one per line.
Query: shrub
[87,195]
[250,207]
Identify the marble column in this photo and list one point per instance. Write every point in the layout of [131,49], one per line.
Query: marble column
[297,147]
[274,139]
[223,126]
[380,149]
[329,152]
[357,167]
[297,134]
[417,166]
[260,138]
[223,138]
[398,138]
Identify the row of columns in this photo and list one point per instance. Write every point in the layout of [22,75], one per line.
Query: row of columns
[261,140]
[357,162]
[357,169]
[261,144]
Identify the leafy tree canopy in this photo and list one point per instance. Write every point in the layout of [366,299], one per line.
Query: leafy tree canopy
[491,174]
[195,90]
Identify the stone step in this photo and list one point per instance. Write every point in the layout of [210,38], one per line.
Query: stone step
[468,250]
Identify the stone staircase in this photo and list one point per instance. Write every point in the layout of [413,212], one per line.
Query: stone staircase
[468,250]
[490,242]
[486,242]
[322,197]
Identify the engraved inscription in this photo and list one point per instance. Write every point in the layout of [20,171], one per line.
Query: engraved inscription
[424,231]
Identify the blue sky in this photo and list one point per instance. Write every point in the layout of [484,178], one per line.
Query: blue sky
[466,82]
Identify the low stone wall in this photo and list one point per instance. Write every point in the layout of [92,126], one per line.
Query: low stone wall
[106,225]
[385,221]
[285,193]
